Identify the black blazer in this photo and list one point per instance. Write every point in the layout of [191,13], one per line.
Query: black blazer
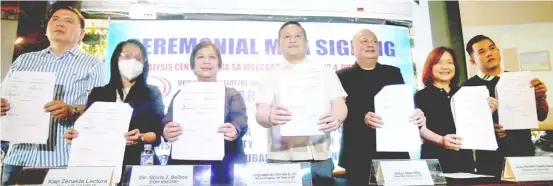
[148,111]
[359,140]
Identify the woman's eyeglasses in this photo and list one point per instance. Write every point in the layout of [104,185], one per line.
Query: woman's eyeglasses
[131,56]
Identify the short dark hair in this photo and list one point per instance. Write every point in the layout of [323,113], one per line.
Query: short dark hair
[60,6]
[115,74]
[205,44]
[474,40]
[292,23]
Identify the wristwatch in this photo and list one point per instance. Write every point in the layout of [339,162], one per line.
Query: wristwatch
[141,139]
[75,111]
[542,98]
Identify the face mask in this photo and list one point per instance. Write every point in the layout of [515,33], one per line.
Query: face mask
[130,68]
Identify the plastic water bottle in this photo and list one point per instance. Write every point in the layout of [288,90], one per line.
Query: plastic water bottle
[162,151]
[163,159]
[147,156]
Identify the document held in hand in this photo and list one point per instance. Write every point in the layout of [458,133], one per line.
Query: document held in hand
[302,91]
[473,118]
[516,101]
[199,108]
[101,140]
[394,103]
[27,92]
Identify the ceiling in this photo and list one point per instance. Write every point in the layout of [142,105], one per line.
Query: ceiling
[174,9]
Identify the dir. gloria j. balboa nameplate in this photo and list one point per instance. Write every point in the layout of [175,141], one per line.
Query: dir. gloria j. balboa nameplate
[162,175]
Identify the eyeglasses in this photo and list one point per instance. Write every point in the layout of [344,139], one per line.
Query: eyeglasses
[131,56]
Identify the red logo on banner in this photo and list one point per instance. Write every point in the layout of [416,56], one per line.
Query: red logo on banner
[163,84]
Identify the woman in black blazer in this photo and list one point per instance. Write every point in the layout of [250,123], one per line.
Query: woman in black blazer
[129,70]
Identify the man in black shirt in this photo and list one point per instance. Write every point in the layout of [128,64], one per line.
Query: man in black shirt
[485,55]
[362,82]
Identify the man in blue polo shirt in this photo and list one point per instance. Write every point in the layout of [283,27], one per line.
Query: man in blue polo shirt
[76,74]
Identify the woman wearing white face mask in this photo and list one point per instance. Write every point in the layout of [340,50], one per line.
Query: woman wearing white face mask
[129,70]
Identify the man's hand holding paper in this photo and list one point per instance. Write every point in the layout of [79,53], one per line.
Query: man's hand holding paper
[5,106]
[58,109]
[328,123]
[500,130]
[279,115]
[70,134]
[418,118]
[539,87]
[492,102]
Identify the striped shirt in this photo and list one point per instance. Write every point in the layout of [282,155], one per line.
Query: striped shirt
[76,74]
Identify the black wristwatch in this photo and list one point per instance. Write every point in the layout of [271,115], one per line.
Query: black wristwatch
[542,98]
[141,139]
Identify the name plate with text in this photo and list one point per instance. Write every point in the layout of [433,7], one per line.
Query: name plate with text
[519,169]
[169,175]
[288,174]
[85,176]
[413,172]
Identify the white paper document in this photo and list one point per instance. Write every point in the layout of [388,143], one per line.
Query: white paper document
[394,103]
[101,140]
[464,175]
[516,101]
[27,93]
[200,110]
[302,91]
[473,118]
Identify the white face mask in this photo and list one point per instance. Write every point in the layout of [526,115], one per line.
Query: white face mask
[130,68]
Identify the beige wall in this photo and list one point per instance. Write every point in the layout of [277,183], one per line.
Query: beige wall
[9,33]
[515,27]
[486,13]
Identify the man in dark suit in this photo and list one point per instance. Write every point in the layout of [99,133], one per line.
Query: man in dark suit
[362,82]
[485,55]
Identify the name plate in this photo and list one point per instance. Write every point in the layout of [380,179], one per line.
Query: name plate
[412,172]
[80,176]
[528,169]
[162,175]
[271,174]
